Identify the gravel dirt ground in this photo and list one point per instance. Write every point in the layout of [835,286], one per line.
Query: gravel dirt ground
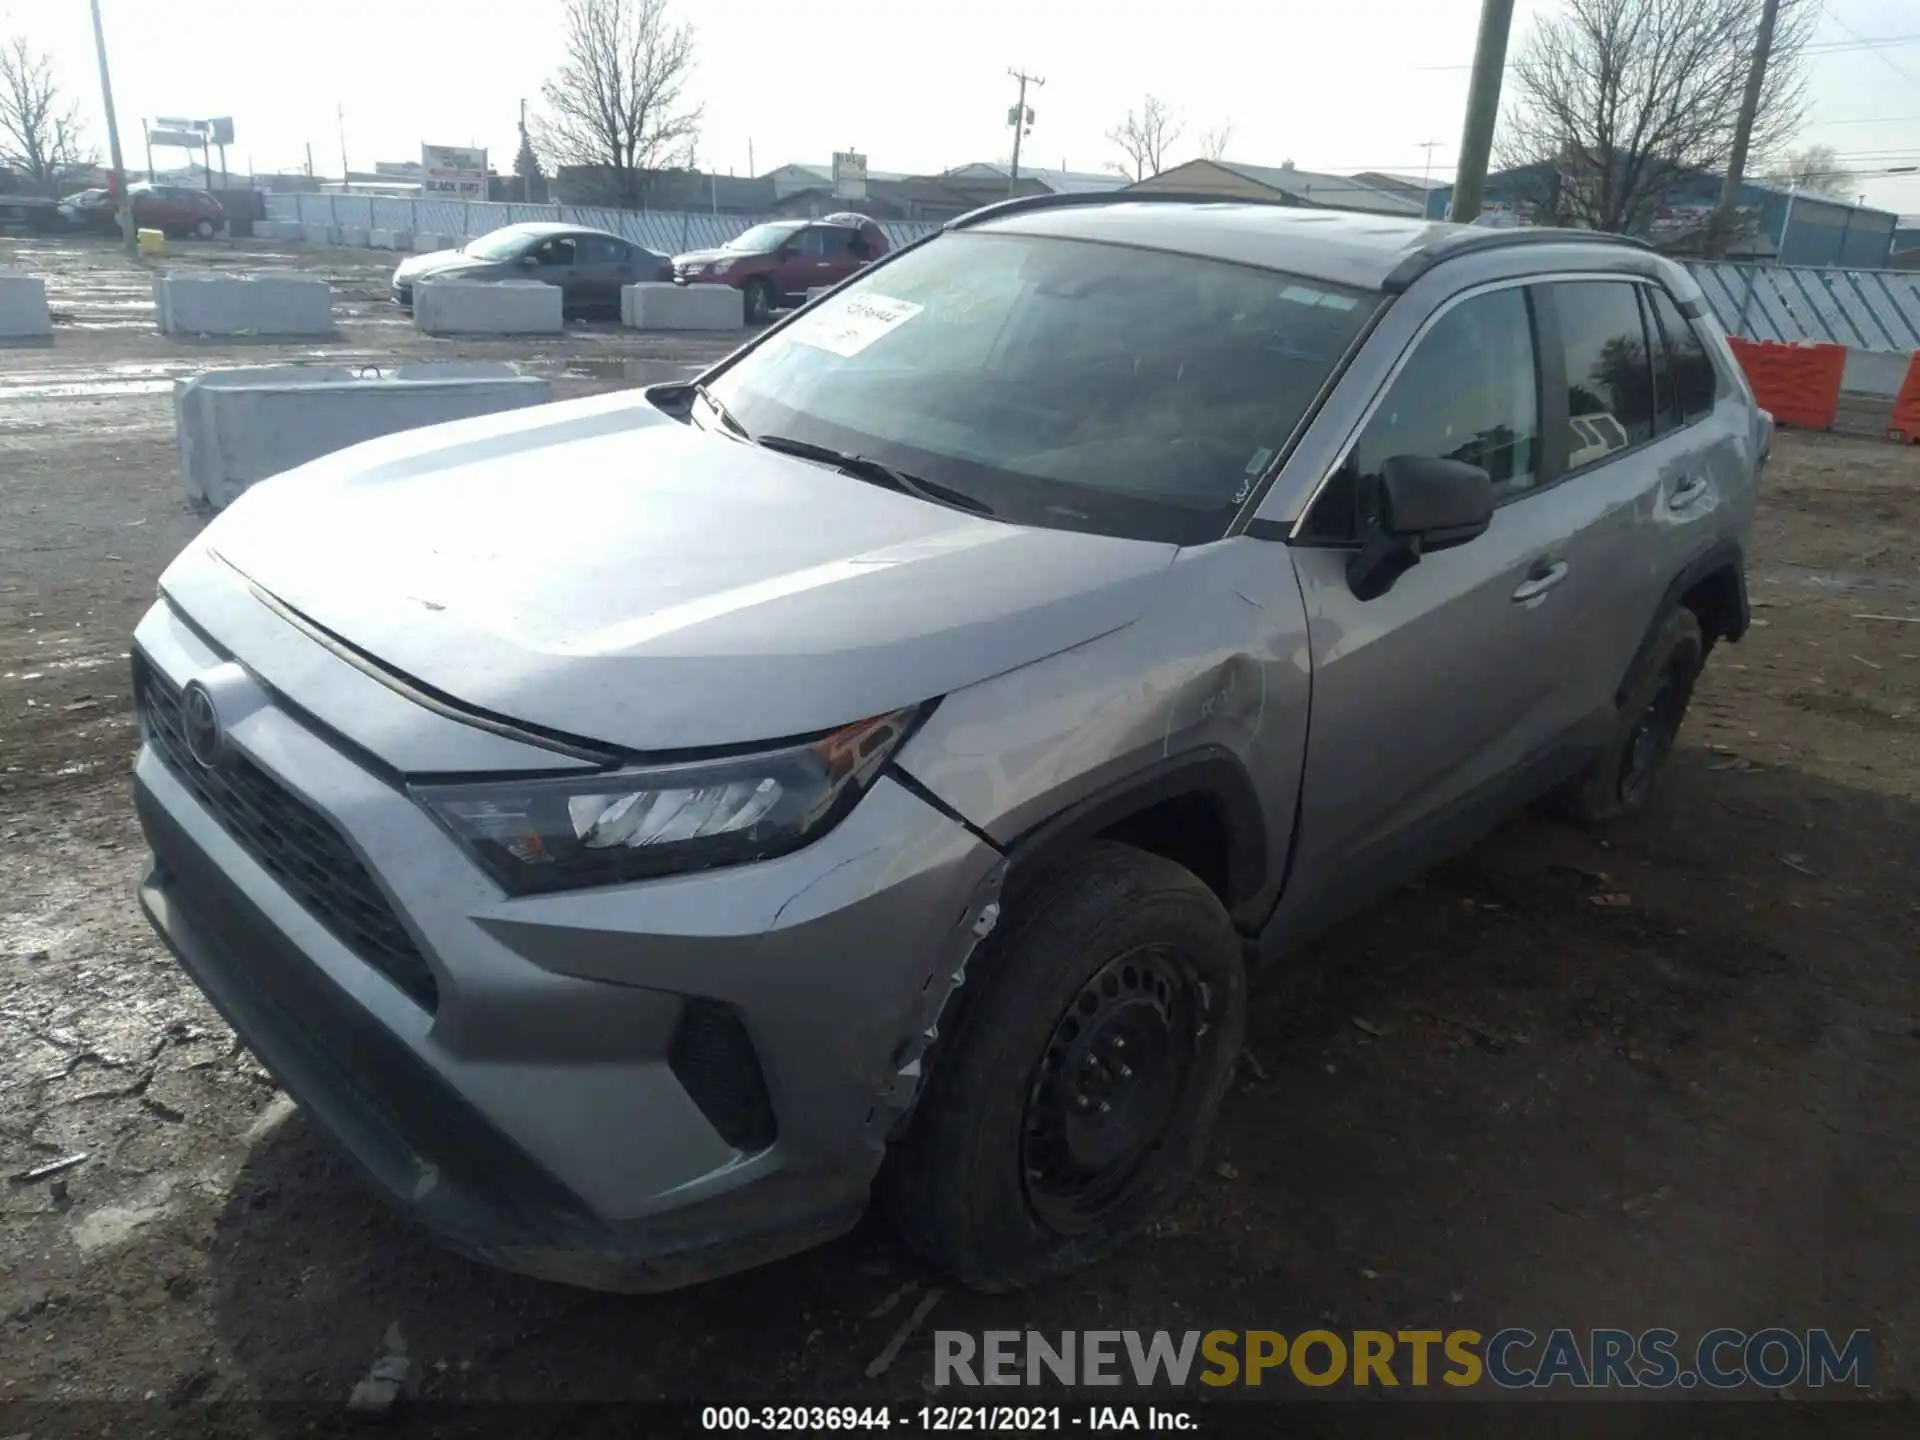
[1662,1076]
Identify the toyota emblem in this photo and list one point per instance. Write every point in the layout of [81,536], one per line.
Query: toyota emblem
[206,739]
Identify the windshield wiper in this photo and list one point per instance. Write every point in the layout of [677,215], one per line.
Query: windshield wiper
[865,468]
[726,415]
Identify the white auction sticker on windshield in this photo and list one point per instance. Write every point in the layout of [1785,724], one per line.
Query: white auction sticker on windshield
[850,324]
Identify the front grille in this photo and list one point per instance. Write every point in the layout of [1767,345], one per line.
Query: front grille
[403,294]
[291,840]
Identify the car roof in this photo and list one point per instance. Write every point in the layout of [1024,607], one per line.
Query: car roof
[533,228]
[1368,252]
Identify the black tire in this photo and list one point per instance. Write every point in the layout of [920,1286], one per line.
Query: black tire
[758,297]
[206,229]
[1621,779]
[988,1182]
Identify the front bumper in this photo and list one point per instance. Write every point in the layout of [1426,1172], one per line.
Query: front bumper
[537,1108]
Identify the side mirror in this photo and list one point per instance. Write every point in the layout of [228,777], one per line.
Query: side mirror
[1420,504]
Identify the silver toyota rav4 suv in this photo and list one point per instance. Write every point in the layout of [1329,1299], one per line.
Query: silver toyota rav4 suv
[639,828]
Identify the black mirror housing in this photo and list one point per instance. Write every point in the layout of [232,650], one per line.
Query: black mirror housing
[1439,503]
[1425,504]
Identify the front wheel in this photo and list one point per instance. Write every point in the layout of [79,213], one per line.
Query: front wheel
[1077,1092]
[758,298]
[1621,780]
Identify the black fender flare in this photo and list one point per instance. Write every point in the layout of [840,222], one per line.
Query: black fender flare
[1725,557]
[1211,772]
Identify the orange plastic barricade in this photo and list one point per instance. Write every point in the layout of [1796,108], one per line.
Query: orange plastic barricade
[1800,384]
[1905,424]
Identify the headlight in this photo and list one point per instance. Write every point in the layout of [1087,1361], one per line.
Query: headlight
[717,267]
[535,836]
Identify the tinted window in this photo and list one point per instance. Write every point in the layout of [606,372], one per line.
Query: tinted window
[1468,392]
[557,251]
[600,250]
[809,242]
[764,238]
[1694,380]
[1065,384]
[1609,377]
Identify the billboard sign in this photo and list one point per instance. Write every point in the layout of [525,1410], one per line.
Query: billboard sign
[849,175]
[452,172]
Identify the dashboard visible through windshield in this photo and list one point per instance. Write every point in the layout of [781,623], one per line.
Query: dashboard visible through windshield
[1061,383]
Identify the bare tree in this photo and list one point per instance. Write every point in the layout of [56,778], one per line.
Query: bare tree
[1816,168]
[617,102]
[1616,101]
[40,133]
[1144,138]
[1214,142]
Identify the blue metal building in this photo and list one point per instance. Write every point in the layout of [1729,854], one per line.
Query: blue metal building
[1783,226]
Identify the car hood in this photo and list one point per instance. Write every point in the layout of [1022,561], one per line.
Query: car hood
[707,257]
[441,262]
[600,569]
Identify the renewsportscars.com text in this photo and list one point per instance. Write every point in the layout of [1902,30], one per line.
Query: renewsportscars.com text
[1513,1358]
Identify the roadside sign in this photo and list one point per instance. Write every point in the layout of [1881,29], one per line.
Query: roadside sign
[453,172]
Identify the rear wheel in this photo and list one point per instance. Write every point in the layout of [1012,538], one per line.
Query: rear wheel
[1077,1092]
[205,229]
[1621,780]
[758,298]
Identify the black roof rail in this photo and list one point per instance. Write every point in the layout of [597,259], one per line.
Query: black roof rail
[1021,204]
[1474,240]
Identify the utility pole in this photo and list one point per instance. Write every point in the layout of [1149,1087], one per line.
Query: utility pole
[147,135]
[1020,117]
[1722,220]
[1483,108]
[1426,175]
[346,175]
[113,136]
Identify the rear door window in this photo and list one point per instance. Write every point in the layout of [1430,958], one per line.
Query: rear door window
[1610,387]
[1695,382]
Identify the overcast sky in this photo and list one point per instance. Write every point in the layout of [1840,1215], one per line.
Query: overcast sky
[1359,84]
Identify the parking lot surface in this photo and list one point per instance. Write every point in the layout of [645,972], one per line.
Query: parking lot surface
[1668,1075]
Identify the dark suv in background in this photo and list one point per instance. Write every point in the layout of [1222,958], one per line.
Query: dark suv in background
[774,265]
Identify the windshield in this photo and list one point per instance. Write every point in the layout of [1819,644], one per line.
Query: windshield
[1059,382]
[498,245]
[762,239]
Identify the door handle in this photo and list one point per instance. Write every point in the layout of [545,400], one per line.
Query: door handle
[1540,580]
[1687,492]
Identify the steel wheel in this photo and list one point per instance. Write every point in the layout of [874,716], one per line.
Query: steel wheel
[1111,1077]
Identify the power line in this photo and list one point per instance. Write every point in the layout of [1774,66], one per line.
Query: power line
[1869,46]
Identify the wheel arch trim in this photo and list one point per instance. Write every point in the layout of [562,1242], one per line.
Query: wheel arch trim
[1211,773]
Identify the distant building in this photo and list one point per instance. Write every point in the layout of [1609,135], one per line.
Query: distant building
[1284,183]
[1771,222]
[666,190]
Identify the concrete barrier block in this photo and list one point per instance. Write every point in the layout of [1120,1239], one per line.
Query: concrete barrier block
[267,230]
[426,242]
[318,234]
[242,305]
[661,305]
[471,307]
[390,239]
[23,307]
[353,237]
[238,427]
